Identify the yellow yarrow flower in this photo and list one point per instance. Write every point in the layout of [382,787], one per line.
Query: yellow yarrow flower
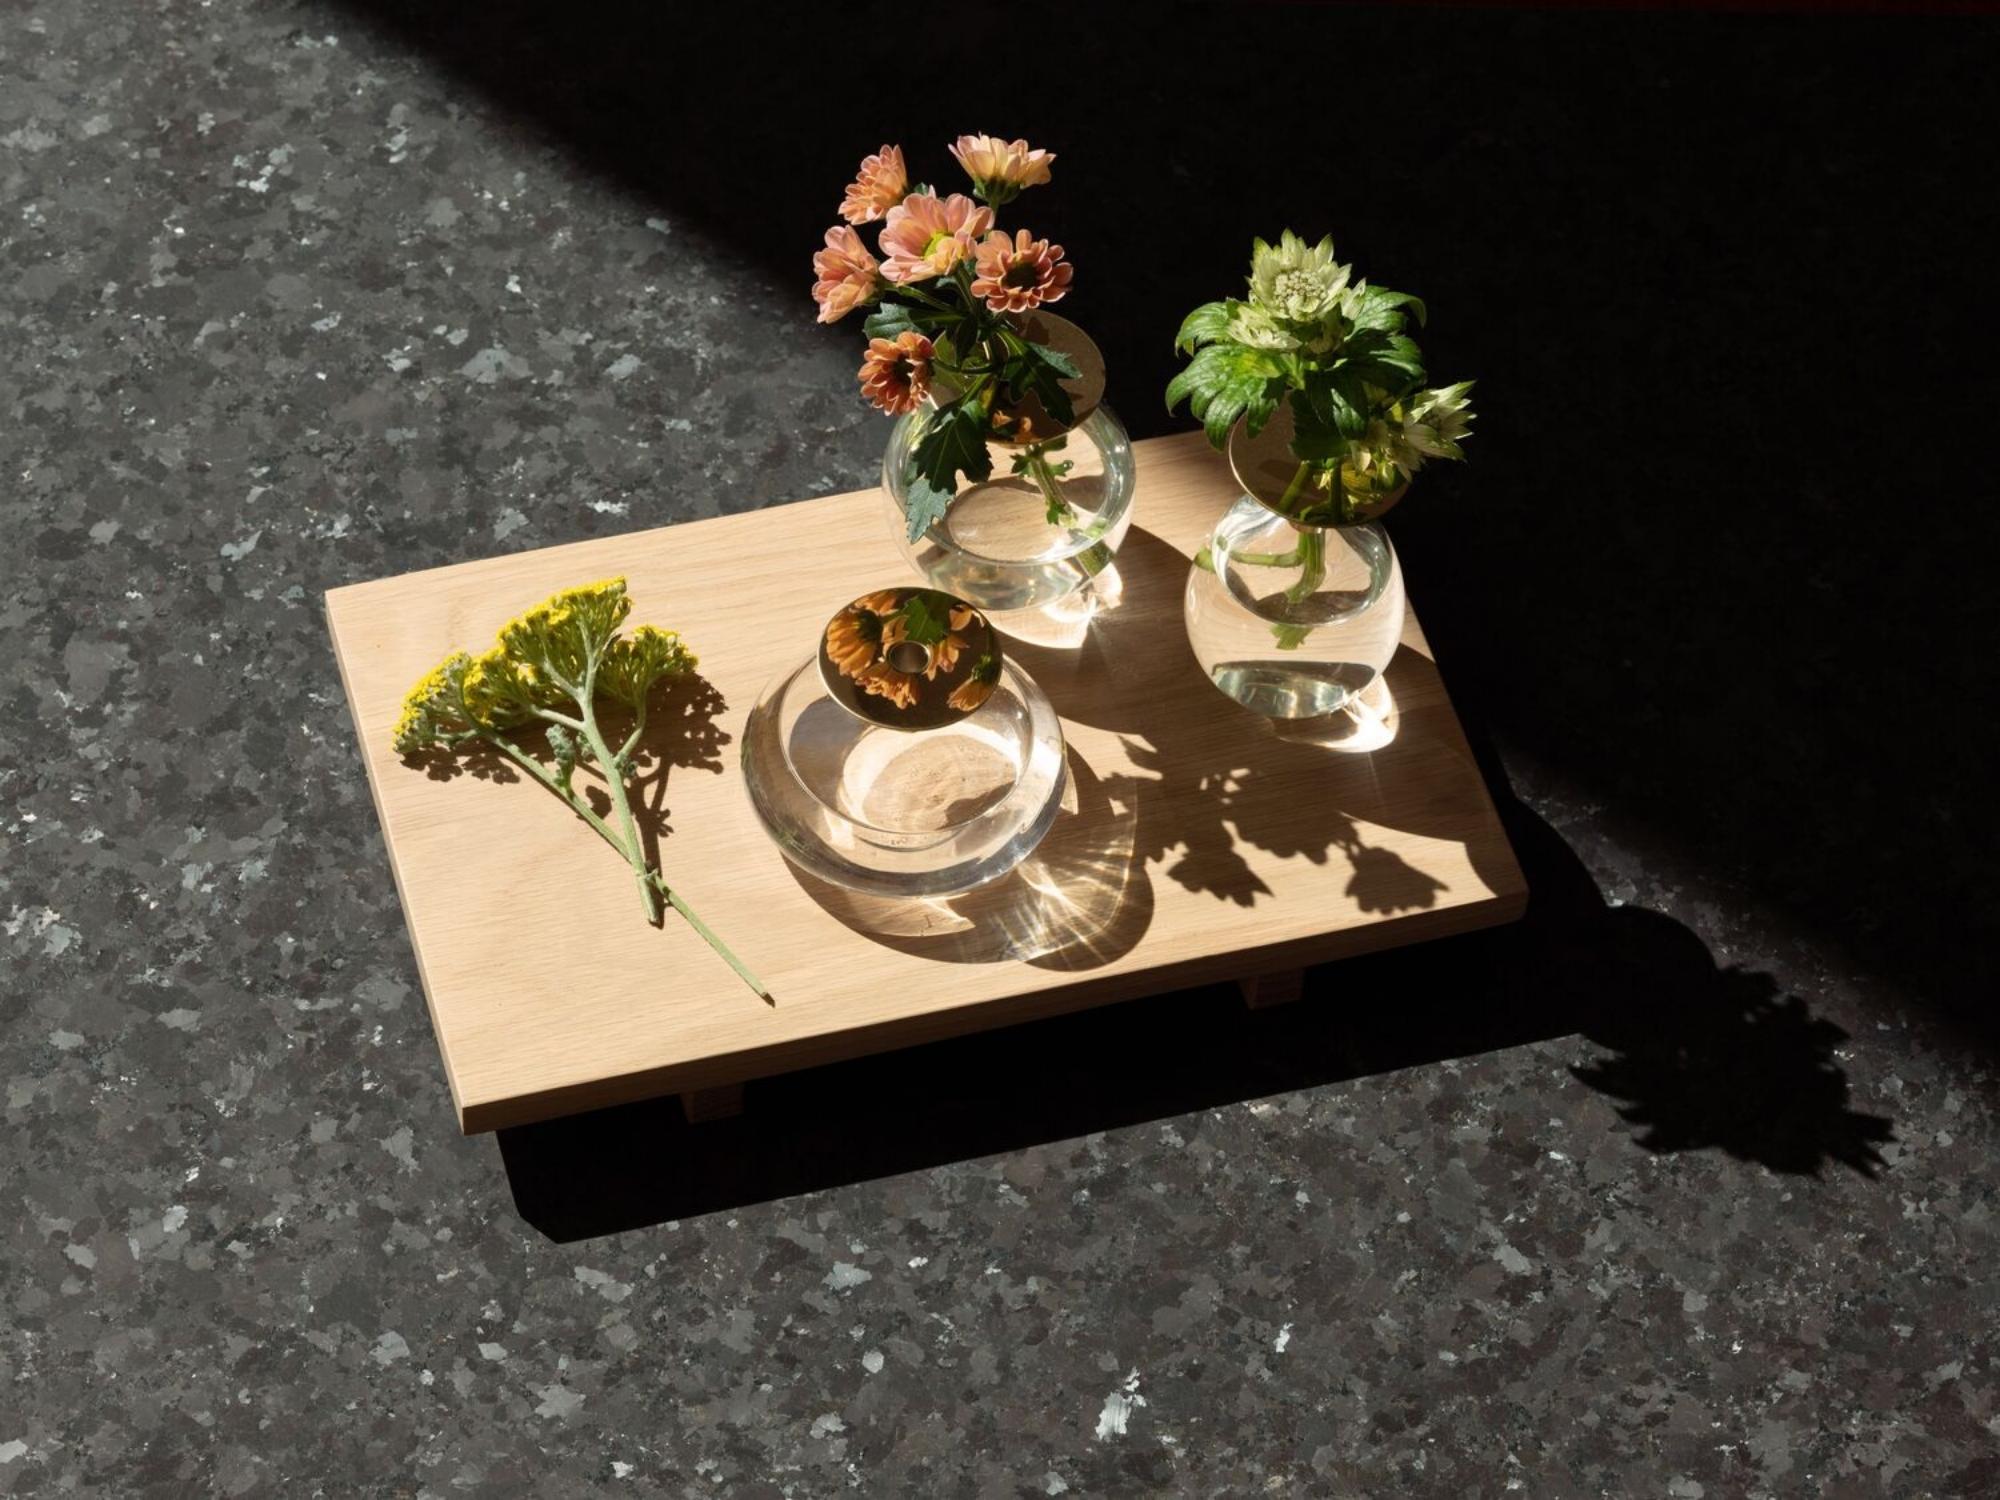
[434,712]
[551,665]
[633,664]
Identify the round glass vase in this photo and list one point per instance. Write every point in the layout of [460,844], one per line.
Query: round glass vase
[901,769]
[1292,612]
[1049,516]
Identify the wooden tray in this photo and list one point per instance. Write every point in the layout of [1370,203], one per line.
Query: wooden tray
[1202,843]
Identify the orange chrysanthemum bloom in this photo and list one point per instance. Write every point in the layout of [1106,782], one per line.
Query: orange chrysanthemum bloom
[926,235]
[1000,169]
[852,639]
[884,681]
[944,656]
[878,187]
[969,694]
[896,373]
[845,272]
[1020,273]
[881,602]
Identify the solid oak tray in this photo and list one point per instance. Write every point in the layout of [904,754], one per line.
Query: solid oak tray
[1200,842]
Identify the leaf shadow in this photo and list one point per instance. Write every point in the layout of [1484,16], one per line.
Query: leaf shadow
[1213,778]
[1705,1056]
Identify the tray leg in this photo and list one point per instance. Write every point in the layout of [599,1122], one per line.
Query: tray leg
[701,1105]
[1272,989]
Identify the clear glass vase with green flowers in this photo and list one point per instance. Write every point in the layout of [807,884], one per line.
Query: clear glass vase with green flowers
[1317,393]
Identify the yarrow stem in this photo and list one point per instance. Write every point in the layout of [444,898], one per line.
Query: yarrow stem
[687,912]
[653,885]
[566,651]
[614,785]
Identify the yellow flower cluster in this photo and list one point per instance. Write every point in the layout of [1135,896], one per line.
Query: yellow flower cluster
[632,664]
[435,708]
[565,633]
[551,666]
[543,660]
[501,692]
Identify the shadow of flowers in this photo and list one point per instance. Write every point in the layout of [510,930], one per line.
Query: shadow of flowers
[1704,1056]
[1212,778]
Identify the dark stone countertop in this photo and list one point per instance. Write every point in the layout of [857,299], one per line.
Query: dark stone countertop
[1684,1187]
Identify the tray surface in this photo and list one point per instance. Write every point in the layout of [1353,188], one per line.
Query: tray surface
[1200,843]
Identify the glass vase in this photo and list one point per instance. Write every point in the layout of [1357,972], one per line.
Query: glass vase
[1294,608]
[907,757]
[1051,513]
[1294,621]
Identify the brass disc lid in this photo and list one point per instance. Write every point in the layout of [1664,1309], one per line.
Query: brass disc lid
[1266,466]
[909,658]
[1085,392]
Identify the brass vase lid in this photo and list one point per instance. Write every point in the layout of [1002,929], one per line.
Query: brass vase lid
[1268,471]
[909,658]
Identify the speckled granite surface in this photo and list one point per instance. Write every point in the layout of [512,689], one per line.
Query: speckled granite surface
[1685,1187]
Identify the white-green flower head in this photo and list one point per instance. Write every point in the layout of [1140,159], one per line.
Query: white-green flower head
[1295,281]
[1438,419]
[1255,327]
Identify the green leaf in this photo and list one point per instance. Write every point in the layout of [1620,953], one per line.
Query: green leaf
[1357,406]
[1060,363]
[1334,399]
[1025,375]
[891,319]
[566,749]
[1378,307]
[924,505]
[1316,436]
[922,621]
[1388,360]
[1226,381]
[1204,325]
[953,441]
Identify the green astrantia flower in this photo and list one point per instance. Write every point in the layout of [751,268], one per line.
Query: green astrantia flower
[1335,350]
[1408,433]
[1298,282]
[1257,327]
[1437,419]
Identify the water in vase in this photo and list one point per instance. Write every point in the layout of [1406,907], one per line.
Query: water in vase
[1294,622]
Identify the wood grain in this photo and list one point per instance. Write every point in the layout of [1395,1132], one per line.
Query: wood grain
[1200,844]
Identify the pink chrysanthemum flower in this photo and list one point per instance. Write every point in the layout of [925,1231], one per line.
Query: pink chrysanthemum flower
[1000,169]
[846,274]
[896,373]
[878,187]
[927,235]
[1020,273]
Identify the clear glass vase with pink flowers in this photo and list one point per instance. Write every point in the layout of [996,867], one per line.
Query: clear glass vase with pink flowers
[1009,479]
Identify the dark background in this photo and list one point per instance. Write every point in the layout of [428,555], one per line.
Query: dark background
[1718,564]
